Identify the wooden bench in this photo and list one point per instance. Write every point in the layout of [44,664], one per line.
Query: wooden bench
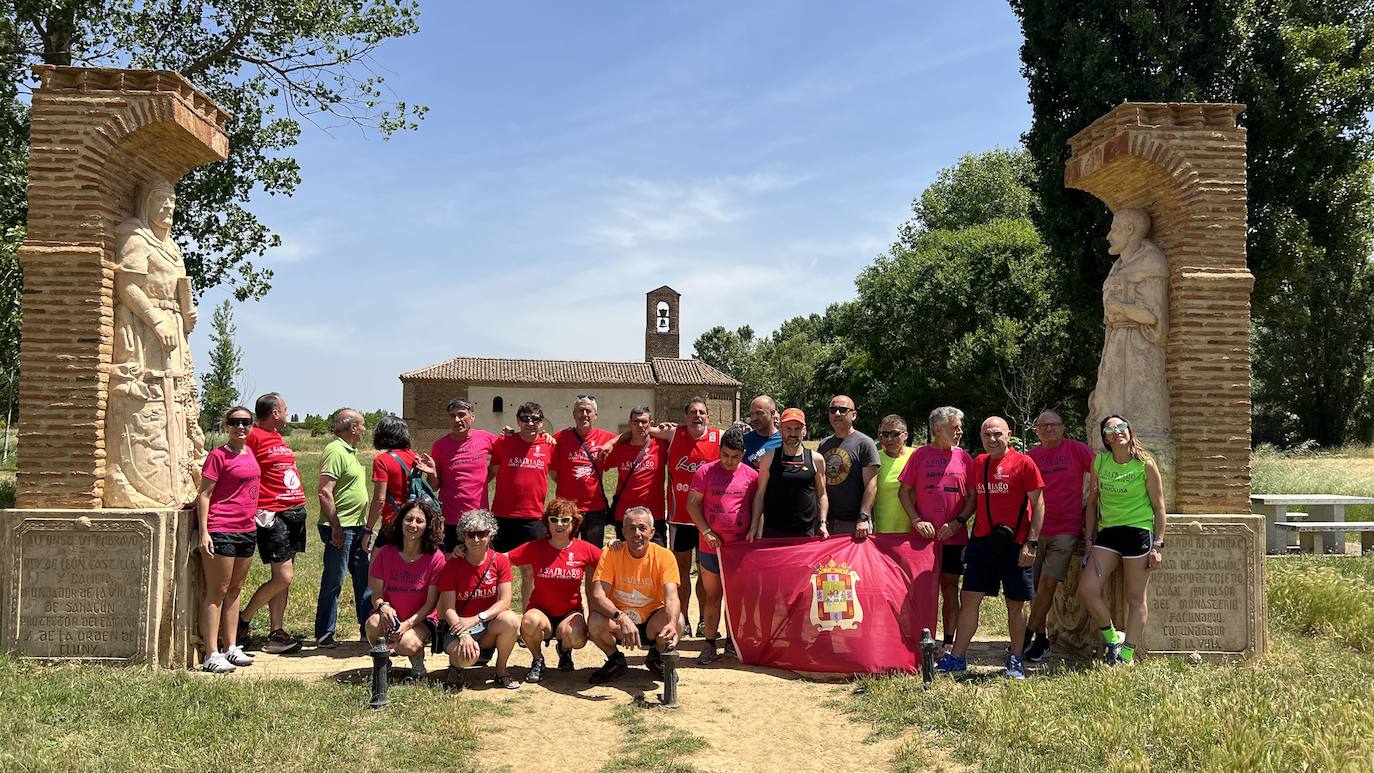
[1327,531]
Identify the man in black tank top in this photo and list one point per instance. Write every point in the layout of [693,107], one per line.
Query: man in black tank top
[791,500]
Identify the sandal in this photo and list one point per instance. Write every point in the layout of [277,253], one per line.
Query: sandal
[506,681]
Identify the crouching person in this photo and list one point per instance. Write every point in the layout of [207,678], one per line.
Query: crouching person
[634,599]
[404,578]
[474,599]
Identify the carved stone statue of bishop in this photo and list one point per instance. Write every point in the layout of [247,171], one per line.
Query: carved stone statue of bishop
[1132,380]
[153,443]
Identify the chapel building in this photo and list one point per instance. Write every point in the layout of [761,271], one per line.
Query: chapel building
[496,387]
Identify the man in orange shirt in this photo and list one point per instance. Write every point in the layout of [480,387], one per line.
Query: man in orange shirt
[634,599]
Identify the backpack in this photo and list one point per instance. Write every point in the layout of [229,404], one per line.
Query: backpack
[419,488]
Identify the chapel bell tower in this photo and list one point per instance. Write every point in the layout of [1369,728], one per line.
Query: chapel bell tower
[661,323]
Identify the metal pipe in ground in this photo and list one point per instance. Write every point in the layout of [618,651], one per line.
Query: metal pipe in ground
[381,665]
[668,699]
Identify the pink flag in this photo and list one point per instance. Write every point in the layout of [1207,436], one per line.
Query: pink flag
[835,606]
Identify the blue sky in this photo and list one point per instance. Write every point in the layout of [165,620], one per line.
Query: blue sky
[755,156]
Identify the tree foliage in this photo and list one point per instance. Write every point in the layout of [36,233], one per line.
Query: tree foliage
[1303,69]
[219,383]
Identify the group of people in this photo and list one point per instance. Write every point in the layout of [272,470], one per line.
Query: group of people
[432,559]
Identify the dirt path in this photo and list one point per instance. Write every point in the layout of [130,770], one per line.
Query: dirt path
[754,719]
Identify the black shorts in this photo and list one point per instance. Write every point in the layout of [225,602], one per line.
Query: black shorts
[451,538]
[952,559]
[1126,541]
[554,622]
[709,562]
[594,524]
[233,544]
[285,538]
[986,569]
[511,533]
[683,537]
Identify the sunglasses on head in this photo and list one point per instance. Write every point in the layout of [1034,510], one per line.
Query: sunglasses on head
[892,433]
[840,409]
[239,422]
[477,534]
[530,419]
[561,520]
[586,397]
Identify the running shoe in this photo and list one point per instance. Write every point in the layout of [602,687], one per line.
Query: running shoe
[279,642]
[217,664]
[709,653]
[238,657]
[536,671]
[1113,655]
[654,662]
[245,630]
[326,642]
[565,661]
[1014,670]
[701,628]
[951,664]
[729,650]
[1039,648]
[614,666]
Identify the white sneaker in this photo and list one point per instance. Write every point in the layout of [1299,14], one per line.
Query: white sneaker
[417,667]
[216,663]
[238,657]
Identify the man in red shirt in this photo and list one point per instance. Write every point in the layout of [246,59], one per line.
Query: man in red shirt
[578,472]
[695,442]
[520,463]
[638,460]
[1008,510]
[280,521]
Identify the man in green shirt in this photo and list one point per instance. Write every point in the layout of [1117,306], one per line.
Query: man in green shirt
[889,517]
[343,508]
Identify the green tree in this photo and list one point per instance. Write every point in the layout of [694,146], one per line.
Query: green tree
[217,384]
[14,151]
[1304,70]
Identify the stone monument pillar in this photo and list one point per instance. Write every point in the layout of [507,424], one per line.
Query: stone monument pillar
[99,551]
[1176,364]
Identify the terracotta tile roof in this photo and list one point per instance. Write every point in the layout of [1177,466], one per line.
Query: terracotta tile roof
[488,370]
[481,369]
[690,372]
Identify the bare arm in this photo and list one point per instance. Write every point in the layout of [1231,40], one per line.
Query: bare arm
[203,514]
[328,510]
[600,599]
[694,500]
[822,499]
[756,527]
[870,489]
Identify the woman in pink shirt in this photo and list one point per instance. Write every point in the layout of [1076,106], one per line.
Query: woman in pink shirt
[404,578]
[225,509]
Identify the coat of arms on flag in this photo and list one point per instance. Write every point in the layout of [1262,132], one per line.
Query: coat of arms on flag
[836,600]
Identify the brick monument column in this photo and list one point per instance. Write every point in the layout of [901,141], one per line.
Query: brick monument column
[98,552]
[1174,177]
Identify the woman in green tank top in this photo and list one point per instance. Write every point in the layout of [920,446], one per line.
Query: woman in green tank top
[1125,527]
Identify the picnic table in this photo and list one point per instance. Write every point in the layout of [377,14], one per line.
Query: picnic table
[1317,507]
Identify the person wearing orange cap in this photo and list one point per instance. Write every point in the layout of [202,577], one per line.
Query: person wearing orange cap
[791,499]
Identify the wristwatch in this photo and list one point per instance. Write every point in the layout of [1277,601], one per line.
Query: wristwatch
[1158,544]
[865,517]
[615,618]
[482,616]
[1033,544]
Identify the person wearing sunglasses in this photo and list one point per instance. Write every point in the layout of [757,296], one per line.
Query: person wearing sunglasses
[474,601]
[404,578]
[577,469]
[791,499]
[888,515]
[851,469]
[520,463]
[1066,466]
[1008,510]
[226,506]
[559,569]
[936,489]
[1125,527]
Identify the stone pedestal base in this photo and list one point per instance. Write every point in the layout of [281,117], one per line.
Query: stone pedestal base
[1207,599]
[111,586]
